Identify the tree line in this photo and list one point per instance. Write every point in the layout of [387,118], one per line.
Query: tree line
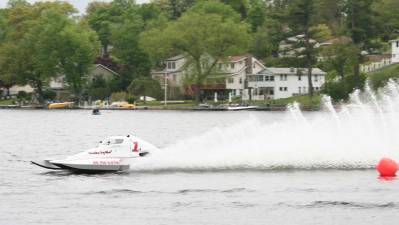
[40,41]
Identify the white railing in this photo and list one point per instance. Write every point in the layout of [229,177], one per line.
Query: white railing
[374,66]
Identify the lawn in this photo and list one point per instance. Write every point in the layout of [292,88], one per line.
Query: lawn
[381,77]
[7,102]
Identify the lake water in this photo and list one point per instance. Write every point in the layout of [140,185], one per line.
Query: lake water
[214,168]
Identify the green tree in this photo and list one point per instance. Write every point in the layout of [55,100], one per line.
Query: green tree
[387,18]
[267,39]
[125,39]
[218,8]
[15,3]
[241,6]
[145,86]
[100,19]
[302,21]
[360,22]
[256,14]
[174,8]
[205,39]
[340,58]
[51,44]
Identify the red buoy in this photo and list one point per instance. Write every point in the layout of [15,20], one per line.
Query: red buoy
[387,167]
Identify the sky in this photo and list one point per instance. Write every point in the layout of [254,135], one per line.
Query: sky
[79,4]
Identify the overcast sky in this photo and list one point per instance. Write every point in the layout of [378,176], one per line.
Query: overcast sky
[79,4]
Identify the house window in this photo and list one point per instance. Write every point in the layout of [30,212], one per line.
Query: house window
[232,65]
[271,78]
[299,77]
[316,78]
[271,92]
[285,88]
[173,65]
[283,77]
[397,44]
[259,78]
[299,90]
[240,92]
[240,80]
[230,80]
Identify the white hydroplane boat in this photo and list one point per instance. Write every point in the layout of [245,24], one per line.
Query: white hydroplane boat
[115,153]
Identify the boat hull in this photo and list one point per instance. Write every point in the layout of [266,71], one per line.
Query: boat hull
[92,168]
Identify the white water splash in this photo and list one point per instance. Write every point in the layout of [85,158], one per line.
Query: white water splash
[355,136]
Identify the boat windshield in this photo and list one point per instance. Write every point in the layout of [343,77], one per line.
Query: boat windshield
[112,141]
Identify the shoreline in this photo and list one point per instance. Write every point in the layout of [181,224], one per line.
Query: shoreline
[141,108]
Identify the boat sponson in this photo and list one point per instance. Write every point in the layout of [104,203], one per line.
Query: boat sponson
[46,164]
[93,168]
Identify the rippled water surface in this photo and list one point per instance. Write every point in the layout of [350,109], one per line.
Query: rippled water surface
[211,170]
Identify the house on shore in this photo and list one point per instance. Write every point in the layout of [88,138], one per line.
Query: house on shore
[244,77]
[395,51]
[276,83]
[59,84]
[230,76]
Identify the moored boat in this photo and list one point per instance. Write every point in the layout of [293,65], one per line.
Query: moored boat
[61,105]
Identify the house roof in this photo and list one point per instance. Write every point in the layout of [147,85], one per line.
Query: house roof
[378,58]
[338,40]
[174,58]
[106,68]
[236,58]
[290,71]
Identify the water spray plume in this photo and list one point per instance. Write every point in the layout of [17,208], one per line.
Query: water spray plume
[354,137]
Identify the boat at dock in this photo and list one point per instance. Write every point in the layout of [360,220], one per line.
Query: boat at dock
[240,107]
[61,105]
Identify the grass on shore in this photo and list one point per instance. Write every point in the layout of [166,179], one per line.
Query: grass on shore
[381,77]
[7,102]
[305,101]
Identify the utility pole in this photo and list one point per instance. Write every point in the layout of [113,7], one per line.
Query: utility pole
[166,89]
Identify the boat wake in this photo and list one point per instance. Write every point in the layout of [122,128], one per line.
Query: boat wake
[354,135]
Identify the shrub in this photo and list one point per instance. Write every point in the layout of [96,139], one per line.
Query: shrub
[118,96]
[49,94]
[340,90]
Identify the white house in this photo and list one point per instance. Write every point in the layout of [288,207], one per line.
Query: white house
[12,91]
[236,69]
[173,71]
[395,51]
[275,83]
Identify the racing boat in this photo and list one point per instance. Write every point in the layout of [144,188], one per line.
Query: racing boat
[113,154]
